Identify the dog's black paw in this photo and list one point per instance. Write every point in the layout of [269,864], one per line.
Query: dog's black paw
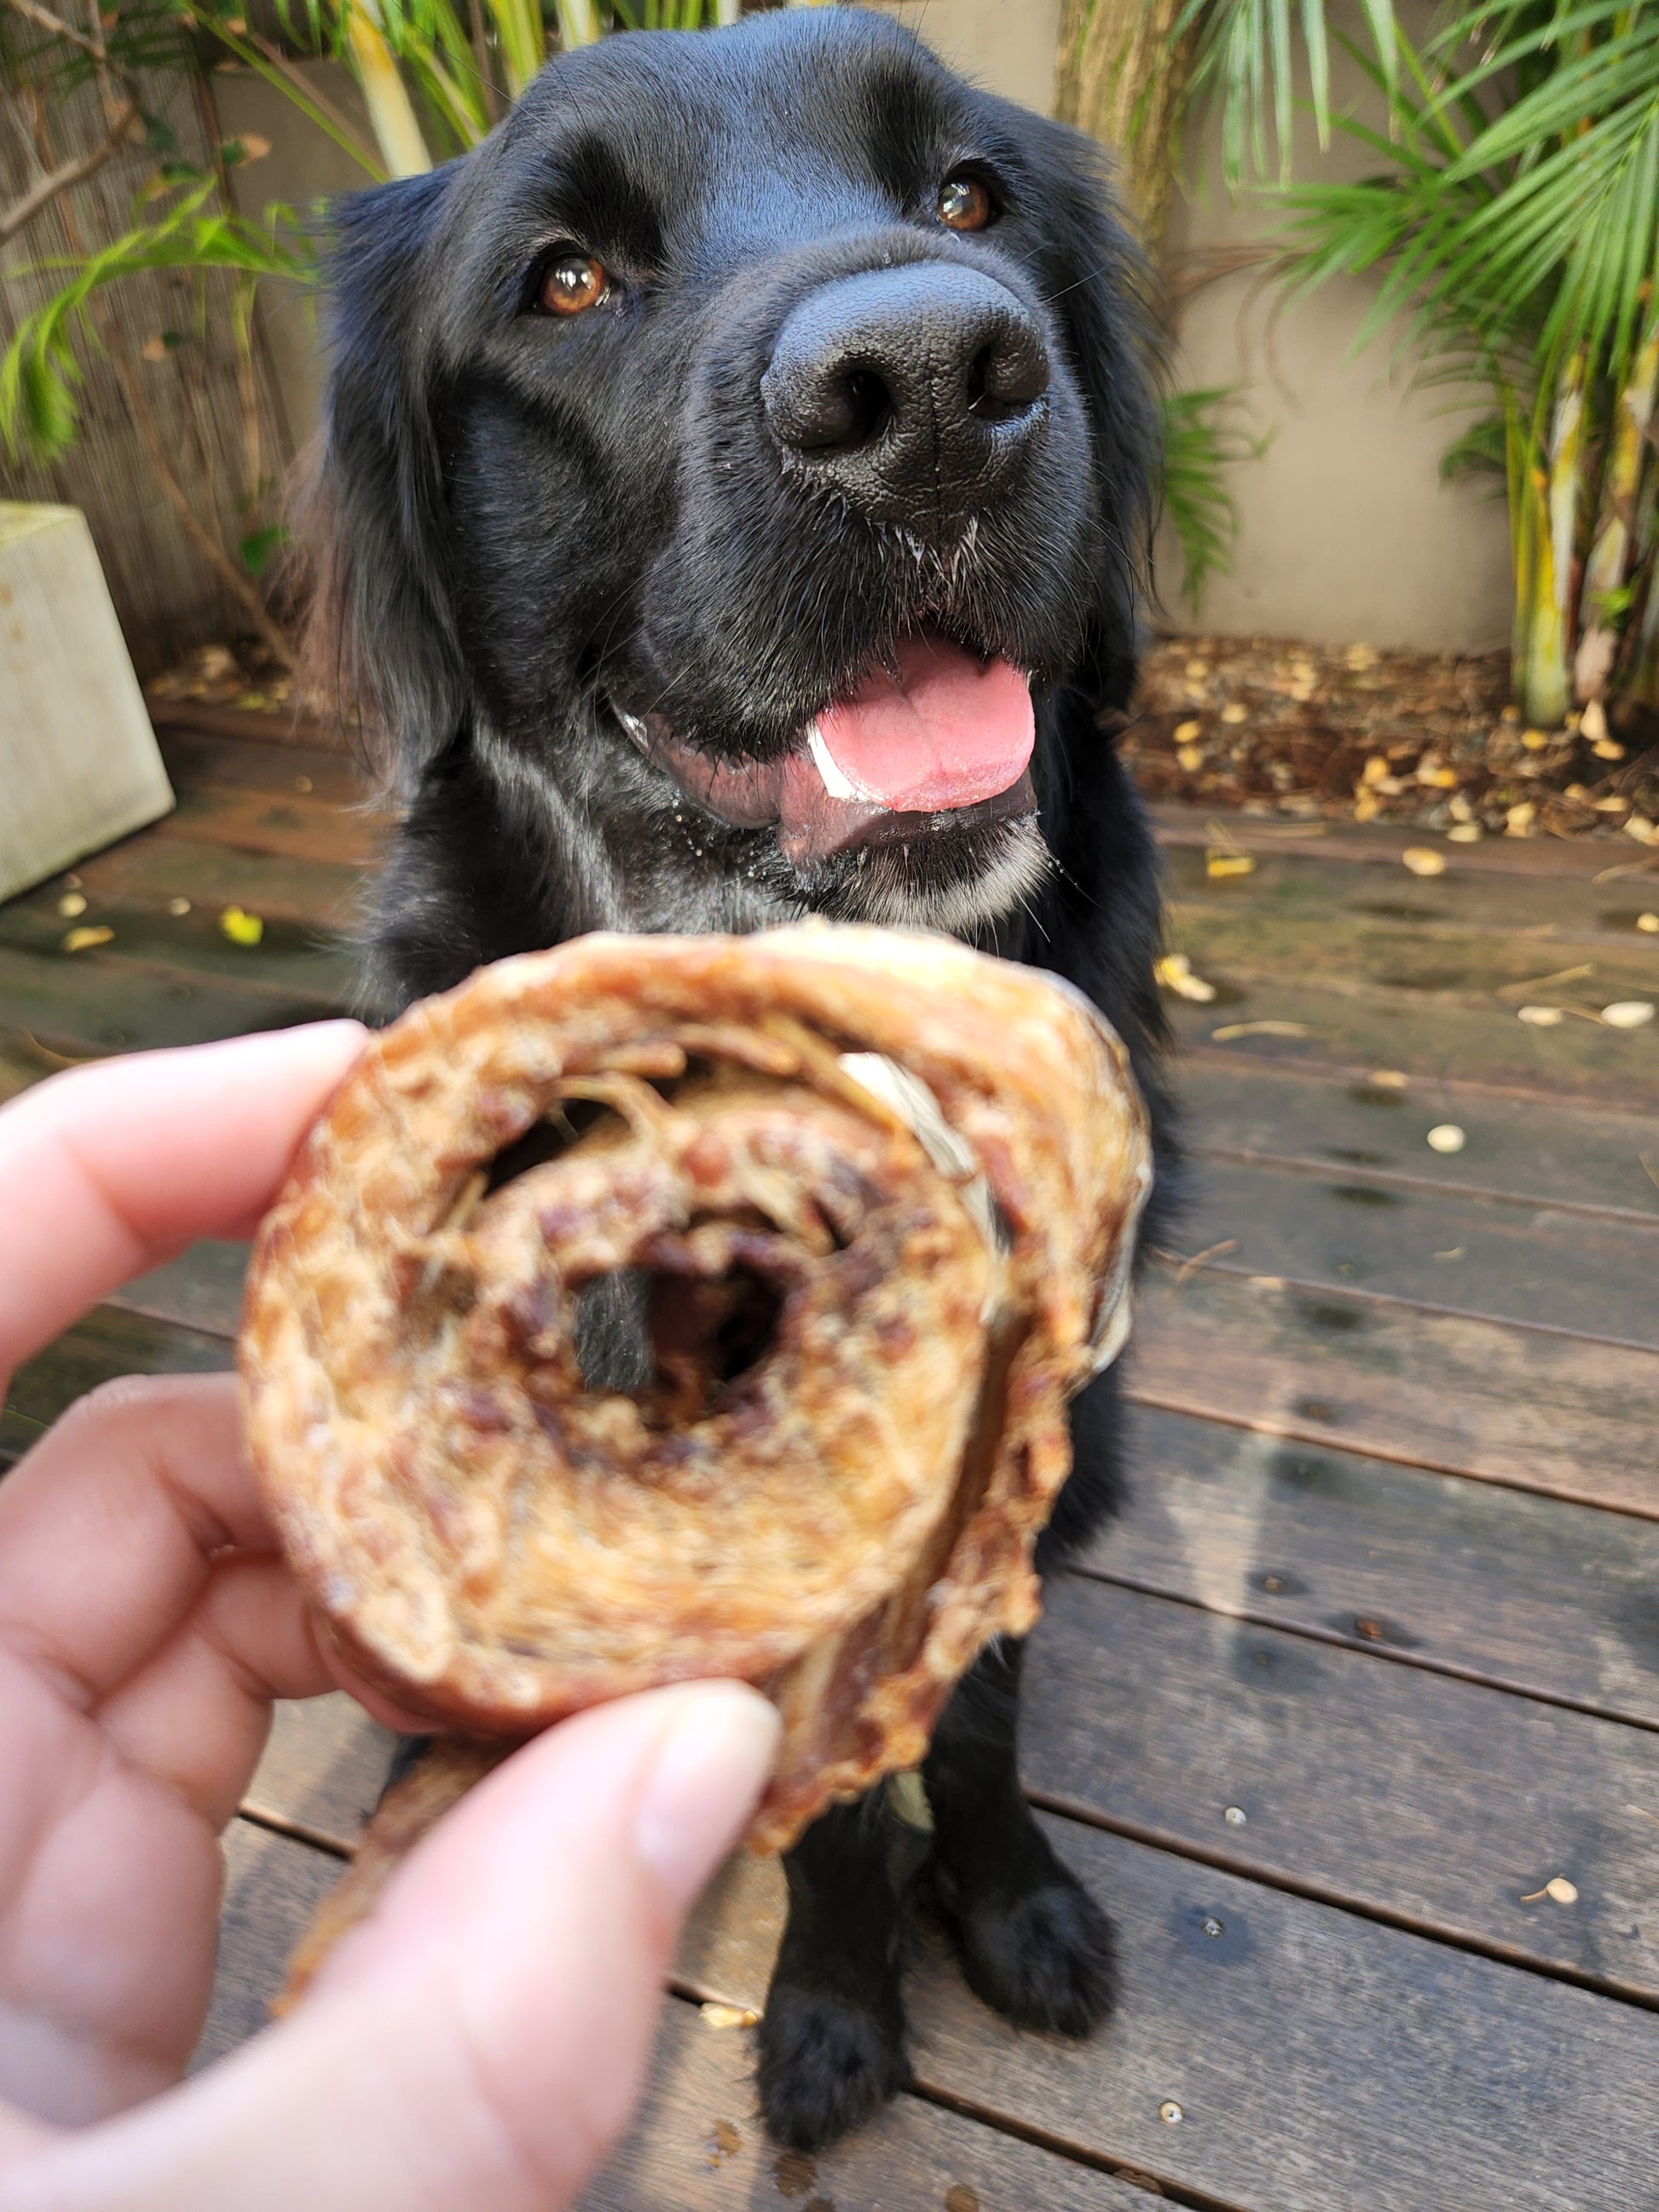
[826,2064]
[1044,1956]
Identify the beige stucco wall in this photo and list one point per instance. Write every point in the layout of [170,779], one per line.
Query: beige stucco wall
[1346,531]
[1007,45]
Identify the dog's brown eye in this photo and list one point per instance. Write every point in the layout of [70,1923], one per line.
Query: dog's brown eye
[573,282]
[965,204]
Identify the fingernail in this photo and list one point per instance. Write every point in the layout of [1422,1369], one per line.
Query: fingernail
[703,1785]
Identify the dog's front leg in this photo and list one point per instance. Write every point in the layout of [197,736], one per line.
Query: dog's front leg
[832,2041]
[1033,1944]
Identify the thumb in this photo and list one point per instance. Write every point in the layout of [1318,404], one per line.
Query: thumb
[478,2044]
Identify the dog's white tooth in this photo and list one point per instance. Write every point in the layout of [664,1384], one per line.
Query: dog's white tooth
[834,778]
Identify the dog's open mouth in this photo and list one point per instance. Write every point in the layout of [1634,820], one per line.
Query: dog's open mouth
[937,740]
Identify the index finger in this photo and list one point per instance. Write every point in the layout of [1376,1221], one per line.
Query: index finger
[111,1169]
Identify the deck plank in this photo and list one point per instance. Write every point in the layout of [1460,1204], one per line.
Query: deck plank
[290,956]
[1351,1032]
[324,895]
[1549,1598]
[1509,1261]
[107,1342]
[1229,944]
[93,1003]
[1307,888]
[290,825]
[272,1887]
[203,758]
[325,1766]
[1156,1716]
[1560,1156]
[1379,845]
[1477,1398]
[1320,2059]
[697,2146]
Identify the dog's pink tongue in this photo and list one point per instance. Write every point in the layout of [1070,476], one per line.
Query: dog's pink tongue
[949,733]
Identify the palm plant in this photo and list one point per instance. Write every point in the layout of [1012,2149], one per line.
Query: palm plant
[1513,220]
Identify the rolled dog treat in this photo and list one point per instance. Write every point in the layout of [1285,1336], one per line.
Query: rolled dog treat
[660,1307]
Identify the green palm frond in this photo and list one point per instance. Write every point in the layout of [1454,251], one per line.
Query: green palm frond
[39,373]
[1247,57]
[1203,443]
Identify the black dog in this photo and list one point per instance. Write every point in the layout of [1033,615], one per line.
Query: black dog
[719,462]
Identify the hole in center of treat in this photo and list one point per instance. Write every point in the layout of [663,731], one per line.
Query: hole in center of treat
[674,1342]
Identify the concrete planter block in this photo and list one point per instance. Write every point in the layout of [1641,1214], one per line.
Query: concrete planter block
[79,764]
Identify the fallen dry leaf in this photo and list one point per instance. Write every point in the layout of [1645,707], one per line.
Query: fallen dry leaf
[1390,1078]
[1644,832]
[1649,924]
[1202,1259]
[1186,731]
[1537,982]
[1191,757]
[83,940]
[1174,973]
[1424,860]
[1535,740]
[1628,1014]
[1231,1030]
[1233,712]
[1466,832]
[1541,1018]
[725,2015]
[1228,863]
[177,908]
[1593,722]
[1558,1888]
[241,928]
[1446,1137]
[72,903]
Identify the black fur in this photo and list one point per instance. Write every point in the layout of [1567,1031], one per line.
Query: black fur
[521,520]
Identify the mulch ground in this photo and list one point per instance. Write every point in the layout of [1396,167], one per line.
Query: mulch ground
[1353,733]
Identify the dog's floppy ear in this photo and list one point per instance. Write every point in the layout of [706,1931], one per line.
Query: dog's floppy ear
[1101,295]
[381,634]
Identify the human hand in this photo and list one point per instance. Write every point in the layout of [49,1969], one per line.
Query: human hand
[477,2045]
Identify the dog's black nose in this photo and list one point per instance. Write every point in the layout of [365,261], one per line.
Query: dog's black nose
[912,391]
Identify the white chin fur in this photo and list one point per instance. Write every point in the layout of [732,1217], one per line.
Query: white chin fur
[883,894]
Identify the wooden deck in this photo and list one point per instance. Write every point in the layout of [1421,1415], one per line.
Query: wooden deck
[1374,1657]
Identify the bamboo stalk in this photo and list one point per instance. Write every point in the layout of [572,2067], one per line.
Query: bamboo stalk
[523,41]
[1615,544]
[391,112]
[1544,580]
[579,23]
